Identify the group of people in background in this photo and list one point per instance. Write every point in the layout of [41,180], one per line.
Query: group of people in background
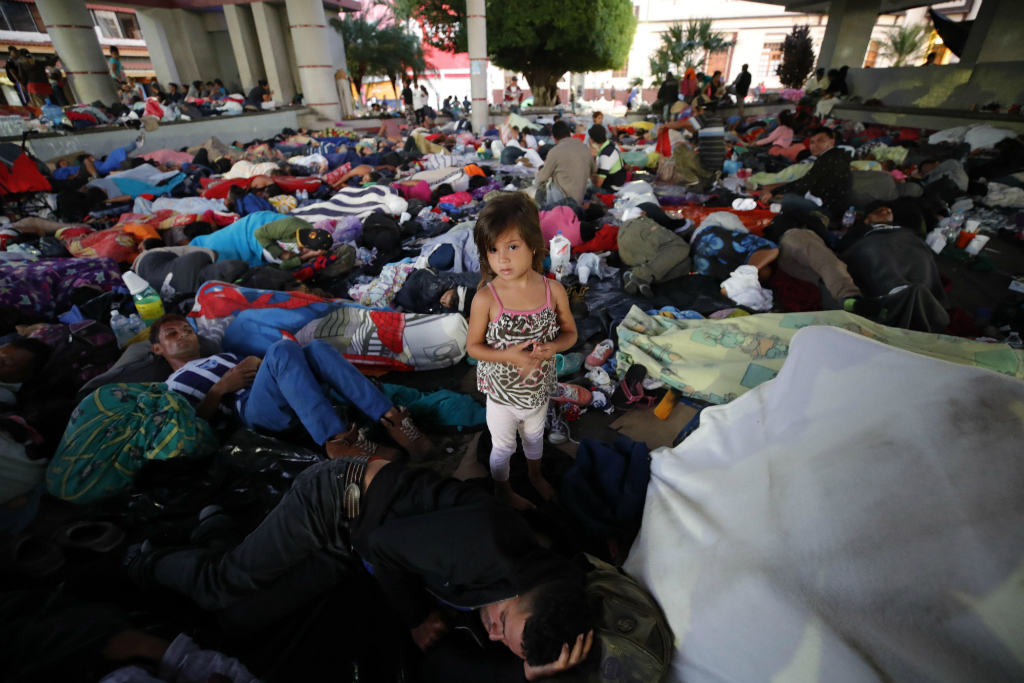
[35,77]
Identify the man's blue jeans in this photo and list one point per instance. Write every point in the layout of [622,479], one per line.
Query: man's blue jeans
[114,159]
[292,384]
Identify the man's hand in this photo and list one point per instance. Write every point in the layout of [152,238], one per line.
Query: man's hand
[430,631]
[285,255]
[566,660]
[240,376]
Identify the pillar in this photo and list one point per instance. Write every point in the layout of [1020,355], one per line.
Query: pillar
[341,76]
[274,49]
[313,53]
[76,43]
[245,43]
[996,34]
[848,33]
[476,16]
[155,29]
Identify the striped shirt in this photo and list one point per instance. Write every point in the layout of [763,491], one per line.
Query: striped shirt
[710,140]
[609,166]
[195,379]
[354,201]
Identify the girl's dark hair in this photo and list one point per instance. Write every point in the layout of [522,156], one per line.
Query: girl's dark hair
[152,243]
[196,229]
[217,81]
[512,211]
[786,118]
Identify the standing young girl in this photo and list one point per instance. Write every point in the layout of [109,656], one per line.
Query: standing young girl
[518,322]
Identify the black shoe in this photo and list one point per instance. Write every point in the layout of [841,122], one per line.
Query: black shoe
[138,564]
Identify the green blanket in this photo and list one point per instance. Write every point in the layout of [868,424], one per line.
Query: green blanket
[717,360]
[114,431]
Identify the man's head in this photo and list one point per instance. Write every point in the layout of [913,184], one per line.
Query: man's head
[21,359]
[173,338]
[927,166]
[560,130]
[114,52]
[744,67]
[151,243]
[220,84]
[537,624]
[558,117]
[822,140]
[820,73]
[172,88]
[599,117]
[515,79]
[597,134]
[195,229]
[198,85]
[879,214]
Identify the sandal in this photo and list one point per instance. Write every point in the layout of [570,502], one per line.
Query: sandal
[101,537]
[630,392]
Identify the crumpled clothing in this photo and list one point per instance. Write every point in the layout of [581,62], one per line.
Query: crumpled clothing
[744,204]
[722,219]
[247,169]
[457,199]
[284,203]
[1004,195]
[744,288]
[382,290]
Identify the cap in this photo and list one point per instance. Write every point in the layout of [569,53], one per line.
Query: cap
[314,238]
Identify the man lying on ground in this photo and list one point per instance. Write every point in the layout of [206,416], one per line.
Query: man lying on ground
[284,388]
[430,541]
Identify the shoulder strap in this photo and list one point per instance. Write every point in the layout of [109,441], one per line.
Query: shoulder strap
[494,293]
[547,286]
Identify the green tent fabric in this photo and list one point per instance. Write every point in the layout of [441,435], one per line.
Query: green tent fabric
[116,429]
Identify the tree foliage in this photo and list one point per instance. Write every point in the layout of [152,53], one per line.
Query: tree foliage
[904,44]
[797,58]
[375,49]
[538,38]
[687,45]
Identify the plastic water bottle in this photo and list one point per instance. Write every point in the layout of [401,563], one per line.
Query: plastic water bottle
[52,114]
[147,301]
[849,218]
[953,225]
[137,324]
[1014,341]
[121,327]
[559,248]
[588,264]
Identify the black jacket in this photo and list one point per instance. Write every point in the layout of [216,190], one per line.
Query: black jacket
[429,538]
[830,180]
[742,83]
[407,96]
[669,91]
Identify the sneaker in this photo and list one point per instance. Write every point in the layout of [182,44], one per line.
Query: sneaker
[644,286]
[404,431]
[600,355]
[557,427]
[629,283]
[354,443]
[141,140]
[573,393]
[138,564]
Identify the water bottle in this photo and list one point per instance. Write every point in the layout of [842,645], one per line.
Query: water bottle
[136,323]
[953,225]
[560,250]
[849,218]
[1014,341]
[588,264]
[52,114]
[147,301]
[121,327]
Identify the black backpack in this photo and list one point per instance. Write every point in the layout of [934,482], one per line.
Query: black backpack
[88,350]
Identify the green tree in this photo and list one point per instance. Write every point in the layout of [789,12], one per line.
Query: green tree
[538,38]
[797,58]
[688,45]
[904,44]
[374,49]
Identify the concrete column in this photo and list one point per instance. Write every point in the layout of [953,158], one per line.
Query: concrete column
[76,43]
[313,54]
[275,54]
[848,33]
[476,16]
[997,34]
[289,44]
[341,77]
[155,29]
[245,43]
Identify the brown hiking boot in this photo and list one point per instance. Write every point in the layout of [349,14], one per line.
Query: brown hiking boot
[402,430]
[354,443]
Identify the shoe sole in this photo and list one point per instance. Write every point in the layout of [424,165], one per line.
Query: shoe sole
[630,286]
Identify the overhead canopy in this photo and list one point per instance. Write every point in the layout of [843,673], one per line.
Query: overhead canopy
[821,6]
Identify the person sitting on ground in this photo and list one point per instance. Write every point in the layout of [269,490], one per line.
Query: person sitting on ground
[816,83]
[21,359]
[259,94]
[432,543]
[830,179]
[195,89]
[390,128]
[288,386]
[567,168]
[782,137]
[206,90]
[611,172]
[173,95]
[219,92]
[709,129]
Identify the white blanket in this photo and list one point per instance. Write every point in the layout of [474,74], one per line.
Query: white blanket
[858,518]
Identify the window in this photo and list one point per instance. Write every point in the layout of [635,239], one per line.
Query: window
[17,16]
[872,56]
[129,26]
[623,72]
[107,21]
[719,61]
[771,57]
